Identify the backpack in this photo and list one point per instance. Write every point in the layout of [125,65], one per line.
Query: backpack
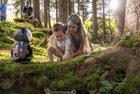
[21,51]
[23,34]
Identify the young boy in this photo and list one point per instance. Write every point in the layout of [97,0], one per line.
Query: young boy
[60,40]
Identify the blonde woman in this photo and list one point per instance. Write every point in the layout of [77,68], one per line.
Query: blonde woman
[78,36]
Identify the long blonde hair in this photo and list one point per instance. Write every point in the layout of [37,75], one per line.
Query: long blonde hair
[75,18]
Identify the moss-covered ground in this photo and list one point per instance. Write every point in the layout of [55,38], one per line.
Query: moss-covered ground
[112,71]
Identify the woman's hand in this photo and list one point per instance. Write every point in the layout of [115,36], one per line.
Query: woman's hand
[66,56]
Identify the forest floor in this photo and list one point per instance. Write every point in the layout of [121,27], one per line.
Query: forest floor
[106,70]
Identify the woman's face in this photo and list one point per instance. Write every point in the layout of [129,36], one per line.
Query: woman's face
[73,28]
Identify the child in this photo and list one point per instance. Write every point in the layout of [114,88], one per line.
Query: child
[60,40]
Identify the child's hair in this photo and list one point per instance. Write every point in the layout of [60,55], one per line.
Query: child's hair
[58,27]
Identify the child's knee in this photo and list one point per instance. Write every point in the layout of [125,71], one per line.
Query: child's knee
[50,49]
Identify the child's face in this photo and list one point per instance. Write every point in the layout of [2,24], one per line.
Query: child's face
[59,36]
[73,28]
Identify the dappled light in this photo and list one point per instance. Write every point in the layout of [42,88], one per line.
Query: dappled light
[69,46]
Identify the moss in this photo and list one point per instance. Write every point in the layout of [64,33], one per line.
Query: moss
[6,84]
[106,88]
[128,86]
[38,34]
[6,39]
[43,81]
[93,81]
[96,53]
[131,41]
[68,82]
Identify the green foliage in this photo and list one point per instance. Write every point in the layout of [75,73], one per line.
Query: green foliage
[96,53]
[93,81]
[109,28]
[106,88]
[128,86]
[131,41]
[10,69]
[6,84]
[60,75]
[42,81]
[88,25]
[67,82]
[39,34]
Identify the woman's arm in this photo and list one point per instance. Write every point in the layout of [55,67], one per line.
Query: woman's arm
[68,51]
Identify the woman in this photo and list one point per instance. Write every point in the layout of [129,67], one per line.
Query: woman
[78,36]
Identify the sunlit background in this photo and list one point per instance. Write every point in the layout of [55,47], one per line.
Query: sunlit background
[10,9]
[113,4]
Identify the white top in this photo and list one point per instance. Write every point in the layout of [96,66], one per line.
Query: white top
[63,44]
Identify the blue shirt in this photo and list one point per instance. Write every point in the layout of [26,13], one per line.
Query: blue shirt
[3,8]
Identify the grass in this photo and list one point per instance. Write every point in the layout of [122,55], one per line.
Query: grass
[4,54]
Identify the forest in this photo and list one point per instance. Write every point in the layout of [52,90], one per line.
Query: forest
[112,67]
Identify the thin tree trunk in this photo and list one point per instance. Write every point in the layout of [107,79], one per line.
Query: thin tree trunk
[49,19]
[95,25]
[78,2]
[36,7]
[104,28]
[22,6]
[69,7]
[83,11]
[120,20]
[73,11]
[109,19]
[56,11]
[63,14]
[45,13]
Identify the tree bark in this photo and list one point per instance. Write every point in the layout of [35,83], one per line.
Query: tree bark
[104,24]
[69,7]
[133,16]
[56,10]
[63,12]
[120,20]
[22,6]
[46,13]
[36,7]
[95,25]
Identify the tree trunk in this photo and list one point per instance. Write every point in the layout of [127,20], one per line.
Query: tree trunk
[120,20]
[49,19]
[104,25]
[69,7]
[132,22]
[63,12]
[30,2]
[56,10]
[73,11]
[78,2]
[22,6]
[83,10]
[46,13]
[36,7]
[95,25]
